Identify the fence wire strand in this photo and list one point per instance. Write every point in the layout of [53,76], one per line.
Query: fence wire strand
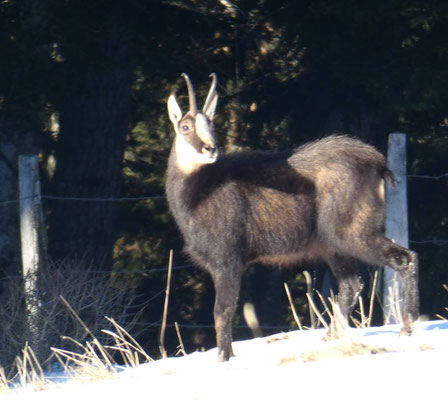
[438,242]
[153,197]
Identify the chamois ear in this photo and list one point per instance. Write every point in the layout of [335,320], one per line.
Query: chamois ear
[174,110]
[210,110]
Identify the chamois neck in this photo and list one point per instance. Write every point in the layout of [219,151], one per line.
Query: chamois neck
[180,162]
[184,187]
[187,158]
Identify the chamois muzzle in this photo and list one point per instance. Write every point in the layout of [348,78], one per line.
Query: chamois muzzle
[209,150]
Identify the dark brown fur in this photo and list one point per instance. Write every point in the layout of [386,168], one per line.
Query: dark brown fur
[321,201]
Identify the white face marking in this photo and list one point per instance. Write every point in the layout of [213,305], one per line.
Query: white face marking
[188,158]
[203,130]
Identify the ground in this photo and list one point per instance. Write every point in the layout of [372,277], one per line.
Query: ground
[373,363]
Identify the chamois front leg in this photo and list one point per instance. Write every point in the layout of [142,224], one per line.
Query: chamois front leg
[227,288]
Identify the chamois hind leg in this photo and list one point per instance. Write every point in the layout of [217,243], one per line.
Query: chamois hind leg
[227,287]
[405,262]
[349,287]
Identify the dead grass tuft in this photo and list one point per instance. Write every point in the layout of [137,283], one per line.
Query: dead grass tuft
[340,349]
[343,349]
[98,362]
[88,292]
[338,335]
[92,362]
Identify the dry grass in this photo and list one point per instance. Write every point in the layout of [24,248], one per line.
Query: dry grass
[96,361]
[28,373]
[72,297]
[92,362]
[362,317]
[445,308]
[87,291]
[340,349]
[340,344]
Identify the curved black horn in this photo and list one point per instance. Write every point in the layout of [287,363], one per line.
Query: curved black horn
[211,92]
[191,96]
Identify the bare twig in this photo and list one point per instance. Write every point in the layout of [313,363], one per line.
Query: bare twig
[309,288]
[316,311]
[293,309]
[87,294]
[181,343]
[372,296]
[165,307]
[73,312]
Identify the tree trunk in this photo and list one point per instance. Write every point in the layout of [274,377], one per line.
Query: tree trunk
[235,133]
[21,112]
[94,121]
[9,230]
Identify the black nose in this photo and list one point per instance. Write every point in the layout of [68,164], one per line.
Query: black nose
[209,149]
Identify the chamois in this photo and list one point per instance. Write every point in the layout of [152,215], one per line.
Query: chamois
[322,201]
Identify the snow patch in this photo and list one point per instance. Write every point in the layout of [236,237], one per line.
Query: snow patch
[277,366]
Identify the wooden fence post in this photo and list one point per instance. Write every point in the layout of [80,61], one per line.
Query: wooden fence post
[29,195]
[396,225]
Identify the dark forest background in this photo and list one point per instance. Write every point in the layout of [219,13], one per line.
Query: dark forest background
[84,85]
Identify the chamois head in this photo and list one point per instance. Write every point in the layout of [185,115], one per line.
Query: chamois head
[194,143]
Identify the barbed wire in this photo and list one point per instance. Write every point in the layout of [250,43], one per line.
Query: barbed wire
[151,270]
[429,176]
[73,198]
[438,242]
[163,269]
[140,198]
[210,326]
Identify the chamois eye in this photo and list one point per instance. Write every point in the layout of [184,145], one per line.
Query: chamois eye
[185,128]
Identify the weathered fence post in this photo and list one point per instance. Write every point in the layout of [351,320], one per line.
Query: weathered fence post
[396,225]
[29,195]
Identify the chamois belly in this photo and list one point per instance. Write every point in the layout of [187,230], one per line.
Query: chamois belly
[309,253]
[280,228]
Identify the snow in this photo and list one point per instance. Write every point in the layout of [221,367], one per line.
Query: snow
[276,367]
